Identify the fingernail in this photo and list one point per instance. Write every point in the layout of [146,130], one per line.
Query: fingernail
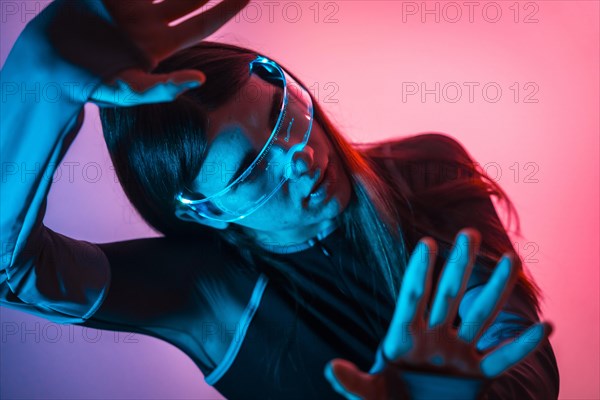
[424,252]
[505,265]
[328,371]
[191,85]
[537,333]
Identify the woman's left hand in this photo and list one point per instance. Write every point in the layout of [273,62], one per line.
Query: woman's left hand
[429,343]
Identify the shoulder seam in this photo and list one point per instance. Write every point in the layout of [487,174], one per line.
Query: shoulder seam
[245,321]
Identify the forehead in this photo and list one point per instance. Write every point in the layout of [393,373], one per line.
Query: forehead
[240,124]
[245,110]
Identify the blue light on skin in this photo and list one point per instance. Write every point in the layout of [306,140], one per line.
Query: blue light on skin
[437,360]
[240,125]
[338,386]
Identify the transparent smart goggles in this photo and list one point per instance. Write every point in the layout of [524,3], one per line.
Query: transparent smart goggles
[272,166]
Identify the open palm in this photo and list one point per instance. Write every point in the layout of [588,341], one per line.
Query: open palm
[159,29]
[417,340]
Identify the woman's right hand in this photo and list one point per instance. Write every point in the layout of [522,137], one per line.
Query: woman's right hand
[150,26]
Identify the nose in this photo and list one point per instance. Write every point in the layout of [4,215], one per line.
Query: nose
[301,161]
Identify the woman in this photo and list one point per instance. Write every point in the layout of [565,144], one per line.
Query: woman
[336,258]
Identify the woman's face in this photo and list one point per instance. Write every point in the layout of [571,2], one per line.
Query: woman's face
[239,128]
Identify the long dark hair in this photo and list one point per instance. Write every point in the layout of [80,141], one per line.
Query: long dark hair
[158,149]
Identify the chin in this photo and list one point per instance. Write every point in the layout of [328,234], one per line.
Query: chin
[336,206]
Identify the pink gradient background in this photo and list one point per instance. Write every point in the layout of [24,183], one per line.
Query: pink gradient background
[365,57]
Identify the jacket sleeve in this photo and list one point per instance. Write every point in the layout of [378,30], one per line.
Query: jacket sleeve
[167,288]
[535,377]
[45,87]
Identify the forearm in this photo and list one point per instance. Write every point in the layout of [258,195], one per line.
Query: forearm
[55,65]
[42,110]
[45,87]
[34,123]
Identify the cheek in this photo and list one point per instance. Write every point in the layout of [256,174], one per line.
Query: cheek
[343,188]
[275,214]
[345,180]
[320,140]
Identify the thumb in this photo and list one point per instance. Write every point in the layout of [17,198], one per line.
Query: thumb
[133,87]
[348,380]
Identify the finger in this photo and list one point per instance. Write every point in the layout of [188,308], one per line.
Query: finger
[175,9]
[348,380]
[182,77]
[455,276]
[414,292]
[511,353]
[135,87]
[193,30]
[489,302]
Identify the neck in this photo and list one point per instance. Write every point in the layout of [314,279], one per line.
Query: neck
[291,236]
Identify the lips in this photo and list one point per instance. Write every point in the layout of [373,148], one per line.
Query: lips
[320,180]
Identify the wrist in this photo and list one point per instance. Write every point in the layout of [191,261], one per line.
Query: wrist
[426,385]
[429,385]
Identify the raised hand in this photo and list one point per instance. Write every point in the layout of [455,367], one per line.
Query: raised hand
[418,340]
[158,29]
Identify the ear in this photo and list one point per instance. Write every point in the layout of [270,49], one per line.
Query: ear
[190,216]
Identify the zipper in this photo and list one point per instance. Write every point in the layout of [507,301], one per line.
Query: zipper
[317,243]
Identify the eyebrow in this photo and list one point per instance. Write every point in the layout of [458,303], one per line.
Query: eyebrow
[251,154]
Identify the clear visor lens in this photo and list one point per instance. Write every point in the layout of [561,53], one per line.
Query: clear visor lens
[272,167]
